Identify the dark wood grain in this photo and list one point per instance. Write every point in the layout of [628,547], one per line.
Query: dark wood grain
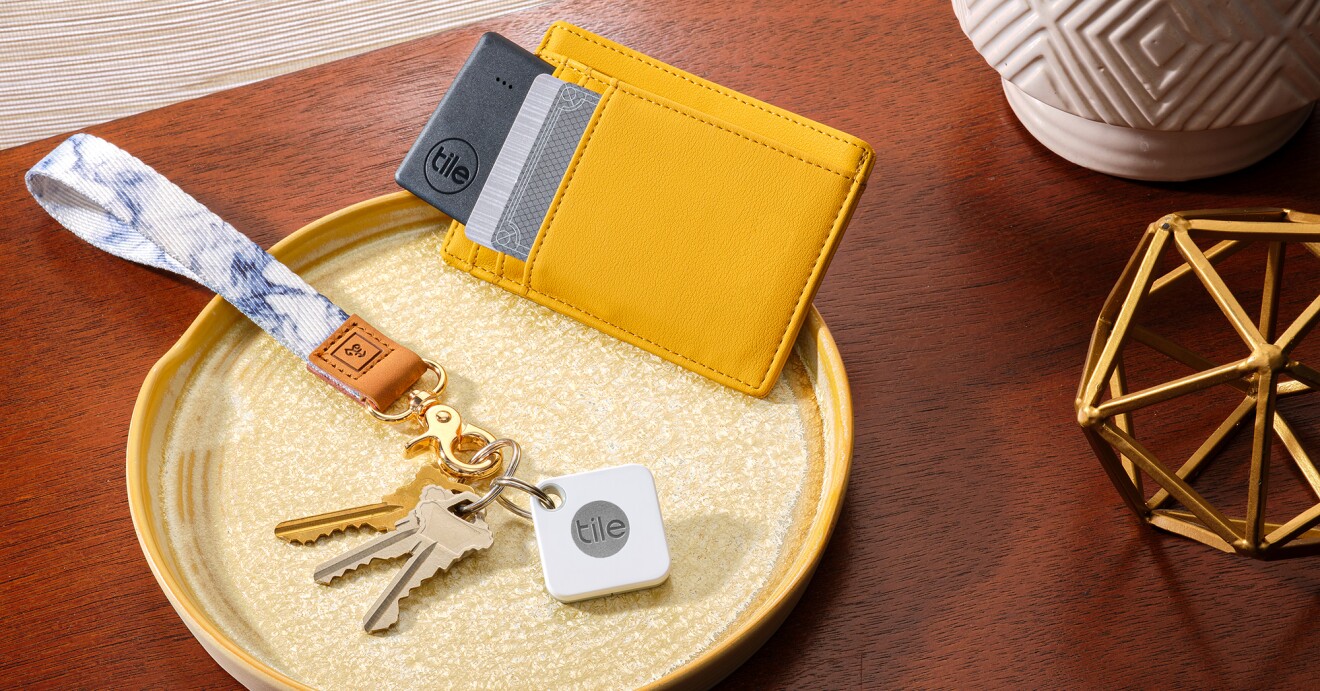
[981,545]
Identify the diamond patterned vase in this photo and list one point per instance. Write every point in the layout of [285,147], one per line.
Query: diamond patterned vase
[1262,368]
[1153,89]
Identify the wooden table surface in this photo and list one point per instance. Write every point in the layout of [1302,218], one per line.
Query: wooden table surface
[981,545]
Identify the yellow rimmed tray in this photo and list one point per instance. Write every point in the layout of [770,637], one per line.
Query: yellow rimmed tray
[230,435]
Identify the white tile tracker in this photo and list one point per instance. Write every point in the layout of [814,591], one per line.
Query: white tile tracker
[606,536]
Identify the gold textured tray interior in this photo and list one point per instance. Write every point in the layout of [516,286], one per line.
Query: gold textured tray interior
[244,437]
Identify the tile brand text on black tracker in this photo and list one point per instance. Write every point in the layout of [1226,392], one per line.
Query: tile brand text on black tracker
[451,166]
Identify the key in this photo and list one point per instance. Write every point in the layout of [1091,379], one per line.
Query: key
[397,543]
[434,537]
[382,516]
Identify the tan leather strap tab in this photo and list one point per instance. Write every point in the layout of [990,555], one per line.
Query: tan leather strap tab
[366,363]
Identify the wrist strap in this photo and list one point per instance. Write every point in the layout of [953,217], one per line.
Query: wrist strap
[121,205]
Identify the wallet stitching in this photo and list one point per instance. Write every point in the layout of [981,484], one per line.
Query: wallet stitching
[545,41]
[698,363]
[806,284]
[697,115]
[584,78]
[448,252]
[475,252]
[559,198]
[346,329]
[674,72]
[628,92]
[590,77]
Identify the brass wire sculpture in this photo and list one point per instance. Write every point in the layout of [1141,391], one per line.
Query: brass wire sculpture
[1107,420]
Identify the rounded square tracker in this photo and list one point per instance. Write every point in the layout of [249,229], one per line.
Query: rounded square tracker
[606,536]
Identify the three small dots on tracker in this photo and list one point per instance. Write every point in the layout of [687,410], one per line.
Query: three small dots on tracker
[507,85]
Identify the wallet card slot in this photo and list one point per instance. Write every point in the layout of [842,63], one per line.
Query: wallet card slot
[670,224]
[504,270]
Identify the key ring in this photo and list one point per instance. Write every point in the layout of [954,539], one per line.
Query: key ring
[495,493]
[509,481]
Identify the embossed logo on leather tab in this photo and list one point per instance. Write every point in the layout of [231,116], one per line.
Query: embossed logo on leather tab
[356,352]
[366,363]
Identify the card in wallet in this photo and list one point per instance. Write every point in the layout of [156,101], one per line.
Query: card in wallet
[526,175]
[693,221]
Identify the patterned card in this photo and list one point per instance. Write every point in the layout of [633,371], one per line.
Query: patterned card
[532,163]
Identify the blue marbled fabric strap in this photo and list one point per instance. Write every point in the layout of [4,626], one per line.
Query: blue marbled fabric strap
[119,204]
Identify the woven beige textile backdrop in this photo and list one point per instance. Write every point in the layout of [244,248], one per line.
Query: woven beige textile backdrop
[66,65]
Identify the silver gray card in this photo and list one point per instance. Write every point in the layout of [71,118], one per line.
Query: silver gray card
[548,160]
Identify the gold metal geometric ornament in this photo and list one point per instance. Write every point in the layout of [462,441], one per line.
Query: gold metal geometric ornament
[1264,374]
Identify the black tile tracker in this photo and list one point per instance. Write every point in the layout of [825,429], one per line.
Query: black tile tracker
[448,164]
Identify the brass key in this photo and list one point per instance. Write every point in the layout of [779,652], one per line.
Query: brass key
[392,508]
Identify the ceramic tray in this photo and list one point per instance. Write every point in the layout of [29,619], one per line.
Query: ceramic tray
[232,435]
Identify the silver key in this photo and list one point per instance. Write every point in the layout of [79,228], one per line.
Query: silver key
[397,543]
[435,537]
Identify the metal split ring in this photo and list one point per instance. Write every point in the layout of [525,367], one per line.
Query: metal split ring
[415,399]
[481,465]
[515,453]
[493,449]
[509,481]
[495,493]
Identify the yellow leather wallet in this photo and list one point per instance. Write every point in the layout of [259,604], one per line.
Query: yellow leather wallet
[693,222]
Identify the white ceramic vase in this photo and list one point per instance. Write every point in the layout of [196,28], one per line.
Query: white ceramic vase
[1154,89]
